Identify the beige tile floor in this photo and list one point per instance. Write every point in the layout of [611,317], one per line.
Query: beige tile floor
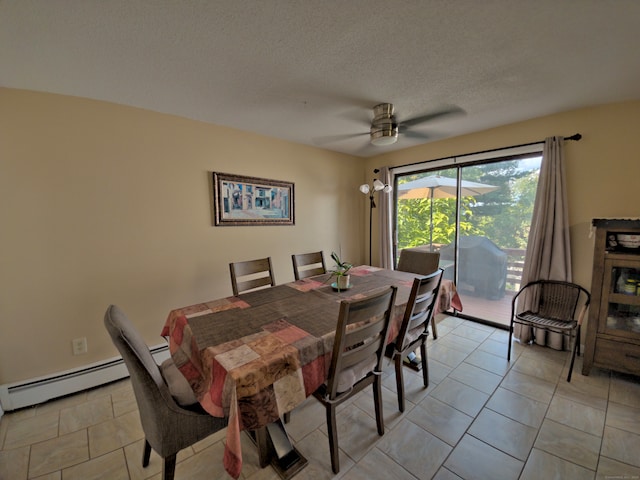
[480,418]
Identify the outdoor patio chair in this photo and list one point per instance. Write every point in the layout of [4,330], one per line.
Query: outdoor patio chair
[551,306]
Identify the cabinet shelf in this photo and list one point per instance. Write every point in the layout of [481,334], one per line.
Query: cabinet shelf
[626,255]
[624,299]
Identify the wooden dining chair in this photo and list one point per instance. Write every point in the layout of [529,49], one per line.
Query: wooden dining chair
[251,275]
[414,329]
[356,361]
[421,261]
[171,417]
[308,264]
[418,260]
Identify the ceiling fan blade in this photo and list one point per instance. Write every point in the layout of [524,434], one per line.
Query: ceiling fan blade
[336,138]
[414,134]
[432,116]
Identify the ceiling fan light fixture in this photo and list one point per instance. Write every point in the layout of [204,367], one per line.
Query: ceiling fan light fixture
[383,137]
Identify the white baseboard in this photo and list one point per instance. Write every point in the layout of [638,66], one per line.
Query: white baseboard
[41,389]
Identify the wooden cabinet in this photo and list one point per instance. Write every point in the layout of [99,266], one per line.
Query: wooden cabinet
[613,331]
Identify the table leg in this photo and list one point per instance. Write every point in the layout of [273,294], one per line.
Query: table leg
[264,456]
[275,448]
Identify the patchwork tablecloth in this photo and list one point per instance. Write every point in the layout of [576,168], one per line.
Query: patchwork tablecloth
[257,356]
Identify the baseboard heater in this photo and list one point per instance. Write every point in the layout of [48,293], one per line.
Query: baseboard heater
[39,390]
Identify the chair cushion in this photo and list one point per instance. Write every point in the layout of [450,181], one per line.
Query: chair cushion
[179,387]
[349,376]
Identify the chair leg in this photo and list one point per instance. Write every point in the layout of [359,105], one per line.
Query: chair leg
[400,382]
[333,437]
[509,343]
[146,454]
[434,331]
[377,398]
[576,347]
[169,467]
[425,364]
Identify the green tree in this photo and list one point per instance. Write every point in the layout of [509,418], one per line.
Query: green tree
[414,221]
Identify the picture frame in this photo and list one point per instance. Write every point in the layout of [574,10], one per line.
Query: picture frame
[240,200]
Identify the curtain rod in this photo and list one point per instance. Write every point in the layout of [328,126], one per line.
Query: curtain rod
[575,137]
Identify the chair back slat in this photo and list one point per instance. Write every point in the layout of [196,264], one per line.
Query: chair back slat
[308,265]
[253,284]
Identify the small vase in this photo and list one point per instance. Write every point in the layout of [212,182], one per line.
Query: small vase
[343,281]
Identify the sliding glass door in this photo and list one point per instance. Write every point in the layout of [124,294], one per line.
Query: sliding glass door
[477,215]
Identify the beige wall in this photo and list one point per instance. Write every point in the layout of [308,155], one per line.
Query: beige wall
[103,204]
[603,169]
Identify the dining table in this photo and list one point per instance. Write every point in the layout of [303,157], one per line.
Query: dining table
[256,356]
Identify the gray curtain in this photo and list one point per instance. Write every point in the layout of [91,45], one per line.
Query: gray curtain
[548,255]
[385,252]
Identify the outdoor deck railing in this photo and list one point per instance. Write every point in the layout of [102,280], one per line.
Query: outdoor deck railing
[515,264]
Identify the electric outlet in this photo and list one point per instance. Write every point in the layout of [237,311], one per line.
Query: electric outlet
[79,345]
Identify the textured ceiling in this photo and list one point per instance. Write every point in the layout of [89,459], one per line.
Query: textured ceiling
[302,70]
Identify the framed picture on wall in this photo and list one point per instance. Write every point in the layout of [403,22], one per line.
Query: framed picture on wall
[241,200]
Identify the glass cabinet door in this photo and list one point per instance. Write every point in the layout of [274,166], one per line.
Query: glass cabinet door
[621,296]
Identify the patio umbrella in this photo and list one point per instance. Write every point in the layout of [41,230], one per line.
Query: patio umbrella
[436,186]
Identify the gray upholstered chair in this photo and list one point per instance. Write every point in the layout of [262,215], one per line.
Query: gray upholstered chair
[418,260]
[168,426]
[356,361]
[414,329]
[251,275]
[308,264]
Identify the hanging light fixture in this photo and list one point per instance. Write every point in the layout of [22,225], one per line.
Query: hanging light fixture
[366,189]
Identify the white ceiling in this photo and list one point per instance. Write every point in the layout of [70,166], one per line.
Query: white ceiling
[302,70]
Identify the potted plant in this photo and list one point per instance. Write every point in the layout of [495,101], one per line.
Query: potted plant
[341,272]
